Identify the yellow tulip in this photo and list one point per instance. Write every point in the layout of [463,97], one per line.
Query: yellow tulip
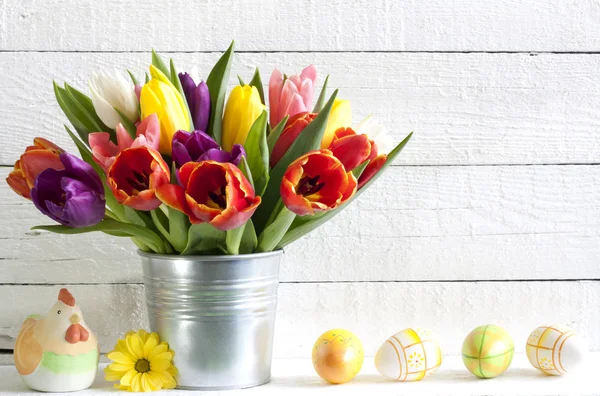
[242,109]
[339,117]
[160,96]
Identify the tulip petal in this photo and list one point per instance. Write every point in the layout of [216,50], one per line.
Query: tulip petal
[275,86]
[123,139]
[371,170]
[173,196]
[35,162]
[351,150]
[150,129]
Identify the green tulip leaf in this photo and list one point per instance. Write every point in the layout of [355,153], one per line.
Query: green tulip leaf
[309,139]
[233,239]
[257,153]
[86,103]
[177,83]
[274,232]
[245,168]
[257,82]
[81,107]
[321,98]
[116,227]
[179,225]
[240,80]
[159,63]
[65,105]
[249,240]
[276,133]
[360,169]
[217,87]
[147,79]
[305,224]
[128,125]
[205,239]
[133,79]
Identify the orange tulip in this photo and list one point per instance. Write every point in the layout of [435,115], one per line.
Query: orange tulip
[36,159]
[292,129]
[212,192]
[135,175]
[316,182]
[352,149]
[372,169]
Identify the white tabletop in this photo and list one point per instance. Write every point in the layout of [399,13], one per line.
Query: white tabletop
[297,377]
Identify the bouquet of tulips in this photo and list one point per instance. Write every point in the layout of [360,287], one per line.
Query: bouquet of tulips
[178,169]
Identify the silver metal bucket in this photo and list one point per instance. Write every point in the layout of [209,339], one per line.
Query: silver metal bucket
[217,313]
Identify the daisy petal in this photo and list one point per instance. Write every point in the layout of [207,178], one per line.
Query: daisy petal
[135,346]
[118,367]
[162,348]
[120,357]
[160,364]
[126,379]
[148,384]
[158,378]
[150,344]
[136,383]
[112,375]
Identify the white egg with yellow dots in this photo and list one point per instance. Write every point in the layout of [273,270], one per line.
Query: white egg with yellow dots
[556,349]
[409,355]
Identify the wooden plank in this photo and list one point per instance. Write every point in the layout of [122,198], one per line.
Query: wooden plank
[276,25]
[417,223]
[294,376]
[464,108]
[373,311]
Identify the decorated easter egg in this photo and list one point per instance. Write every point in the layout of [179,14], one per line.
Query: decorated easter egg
[409,355]
[338,356]
[555,350]
[488,351]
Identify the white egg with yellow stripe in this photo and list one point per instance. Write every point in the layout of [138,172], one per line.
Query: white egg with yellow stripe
[409,355]
[556,349]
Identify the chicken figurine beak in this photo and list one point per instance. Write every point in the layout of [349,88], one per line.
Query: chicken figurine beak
[74,319]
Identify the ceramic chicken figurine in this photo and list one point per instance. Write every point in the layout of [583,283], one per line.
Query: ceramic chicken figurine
[58,352]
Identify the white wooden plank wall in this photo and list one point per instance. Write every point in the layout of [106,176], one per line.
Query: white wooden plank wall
[492,213]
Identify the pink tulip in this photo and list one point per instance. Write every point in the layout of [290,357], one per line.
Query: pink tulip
[292,96]
[105,151]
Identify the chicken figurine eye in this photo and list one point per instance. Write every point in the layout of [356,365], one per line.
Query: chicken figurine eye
[58,352]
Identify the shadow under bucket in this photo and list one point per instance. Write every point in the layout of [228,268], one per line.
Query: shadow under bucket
[217,313]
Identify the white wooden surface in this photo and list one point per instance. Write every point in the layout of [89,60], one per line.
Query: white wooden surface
[309,25]
[297,377]
[490,216]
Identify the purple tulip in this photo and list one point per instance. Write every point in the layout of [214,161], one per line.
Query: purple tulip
[198,146]
[198,99]
[73,196]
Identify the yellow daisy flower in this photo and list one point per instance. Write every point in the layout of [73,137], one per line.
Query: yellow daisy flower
[141,363]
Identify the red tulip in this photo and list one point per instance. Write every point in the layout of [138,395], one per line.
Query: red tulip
[316,182]
[352,149]
[292,129]
[135,175]
[212,192]
[36,159]
[372,169]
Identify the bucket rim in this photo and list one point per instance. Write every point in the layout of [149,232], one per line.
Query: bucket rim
[220,257]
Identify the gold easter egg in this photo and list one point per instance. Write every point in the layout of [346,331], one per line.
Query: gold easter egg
[338,356]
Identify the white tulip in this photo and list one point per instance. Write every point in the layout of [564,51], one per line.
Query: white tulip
[376,132]
[110,91]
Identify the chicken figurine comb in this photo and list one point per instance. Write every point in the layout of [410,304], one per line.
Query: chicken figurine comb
[57,352]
